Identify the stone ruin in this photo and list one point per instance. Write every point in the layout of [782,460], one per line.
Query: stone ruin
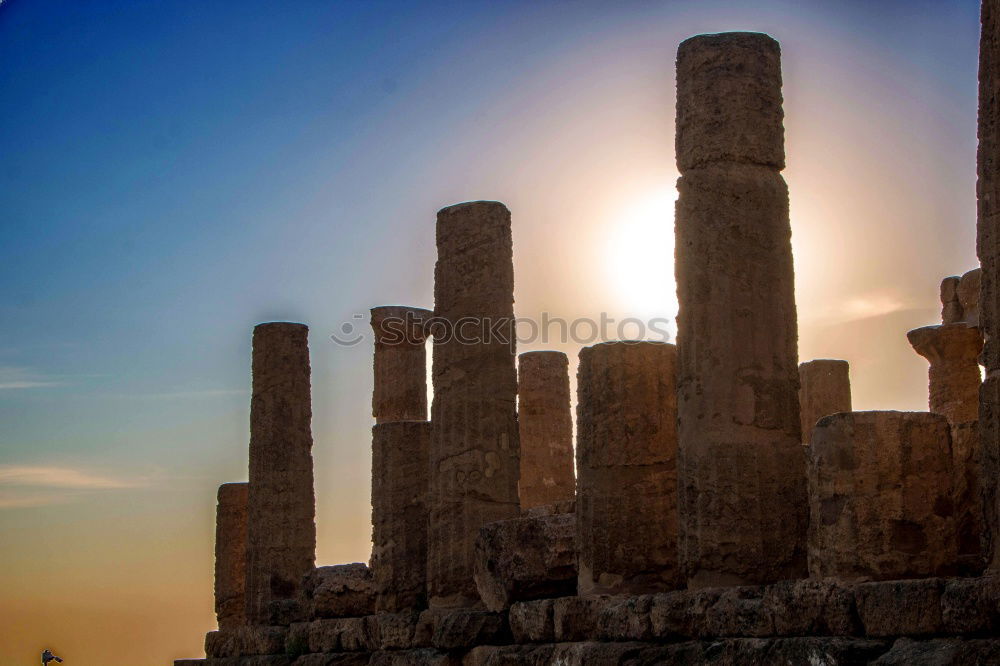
[726,505]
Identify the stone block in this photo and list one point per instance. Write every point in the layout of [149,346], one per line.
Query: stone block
[900,608]
[349,634]
[682,614]
[400,363]
[531,621]
[971,606]
[575,618]
[941,652]
[729,101]
[526,558]
[739,612]
[626,619]
[332,659]
[742,651]
[343,590]
[397,631]
[881,497]
[418,657]
[812,608]
[245,641]
[467,628]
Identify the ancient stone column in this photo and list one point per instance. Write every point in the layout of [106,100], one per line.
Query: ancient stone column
[546,427]
[824,389]
[281,531]
[399,514]
[400,364]
[741,464]
[231,555]
[626,460]
[988,249]
[880,495]
[954,379]
[474,436]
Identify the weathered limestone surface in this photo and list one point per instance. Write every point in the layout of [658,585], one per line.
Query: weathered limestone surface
[400,364]
[231,555]
[245,641]
[805,621]
[824,389]
[881,497]
[526,558]
[399,514]
[740,460]
[960,298]
[954,379]
[546,428]
[627,468]
[343,590]
[474,451]
[988,249]
[281,528]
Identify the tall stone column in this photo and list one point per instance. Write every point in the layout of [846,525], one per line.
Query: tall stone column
[954,379]
[400,365]
[627,468]
[988,249]
[281,528]
[741,462]
[474,451]
[824,389]
[231,555]
[546,427]
[399,514]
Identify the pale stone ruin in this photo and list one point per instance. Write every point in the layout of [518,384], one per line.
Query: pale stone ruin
[727,507]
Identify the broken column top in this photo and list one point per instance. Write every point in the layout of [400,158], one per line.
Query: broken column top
[946,342]
[389,321]
[729,101]
[461,218]
[960,298]
[229,492]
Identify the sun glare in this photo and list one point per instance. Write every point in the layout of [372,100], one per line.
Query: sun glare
[640,255]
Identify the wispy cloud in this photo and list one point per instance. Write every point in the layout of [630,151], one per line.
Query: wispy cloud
[15,378]
[24,486]
[64,477]
[862,306]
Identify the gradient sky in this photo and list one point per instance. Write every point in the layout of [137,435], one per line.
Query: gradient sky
[175,172]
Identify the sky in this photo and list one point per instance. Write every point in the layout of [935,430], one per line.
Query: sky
[174,172]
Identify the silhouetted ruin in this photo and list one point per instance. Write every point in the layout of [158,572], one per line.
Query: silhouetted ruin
[727,505]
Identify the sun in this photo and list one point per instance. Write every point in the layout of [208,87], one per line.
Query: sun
[640,255]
